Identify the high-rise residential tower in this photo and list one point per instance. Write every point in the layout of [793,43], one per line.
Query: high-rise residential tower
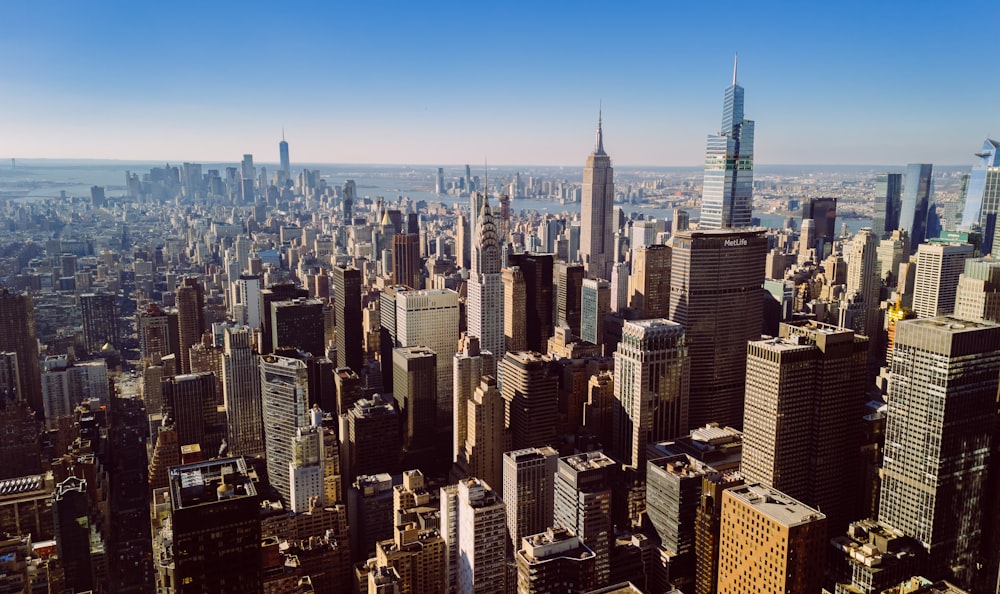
[978,294]
[597,226]
[915,204]
[485,303]
[651,388]
[715,293]
[727,195]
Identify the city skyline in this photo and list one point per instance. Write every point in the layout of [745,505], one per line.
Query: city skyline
[447,84]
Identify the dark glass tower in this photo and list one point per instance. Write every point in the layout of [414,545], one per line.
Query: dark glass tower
[916,203]
[347,310]
[888,187]
[982,201]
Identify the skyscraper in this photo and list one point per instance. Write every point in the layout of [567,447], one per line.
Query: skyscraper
[189,400]
[286,167]
[430,319]
[715,293]
[982,200]
[915,204]
[274,292]
[939,431]
[583,504]
[651,388]
[515,332]
[978,294]
[727,194]
[469,367]
[804,401]
[863,280]
[536,269]
[480,537]
[554,561]
[190,318]
[888,187]
[347,310]
[284,390]
[485,303]
[406,269]
[70,513]
[415,382]
[939,267]
[100,321]
[824,212]
[298,324]
[569,284]
[649,284]
[596,211]
[17,335]
[241,390]
[485,435]
[529,490]
[595,301]
[530,389]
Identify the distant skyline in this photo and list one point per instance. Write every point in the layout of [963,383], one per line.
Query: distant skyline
[517,83]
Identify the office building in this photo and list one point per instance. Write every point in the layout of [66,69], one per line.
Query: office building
[569,285]
[554,561]
[189,401]
[485,302]
[597,224]
[274,292]
[595,301]
[485,435]
[863,283]
[373,437]
[715,293]
[156,332]
[915,204]
[536,270]
[298,324]
[415,381]
[71,515]
[530,390]
[349,389]
[371,514]
[977,297]
[347,308]
[244,300]
[727,197]
[17,335]
[430,319]
[406,268]
[212,540]
[939,267]
[241,390]
[893,251]
[515,331]
[100,321]
[982,199]
[673,496]
[823,212]
[804,403]
[190,300]
[583,485]
[529,490]
[651,388]
[708,529]
[888,195]
[769,543]
[938,436]
[284,391]
[285,166]
[649,283]
[470,366]
[481,534]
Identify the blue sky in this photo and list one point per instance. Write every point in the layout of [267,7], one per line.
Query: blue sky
[514,82]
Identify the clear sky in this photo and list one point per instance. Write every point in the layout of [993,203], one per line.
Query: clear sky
[515,82]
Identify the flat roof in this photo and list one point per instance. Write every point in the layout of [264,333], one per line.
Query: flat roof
[774,504]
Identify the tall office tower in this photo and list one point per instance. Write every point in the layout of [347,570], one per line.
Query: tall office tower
[373,437]
[154,332]
[807,244]
[485,303]
[286,167]
[597,226]
[915,204]
[515,322]
[529,490]
[978,295]
[430,319]
[649,284]
[673,494]
[824,212]
[804,401]
[893,251]
[20,452]
[595,301]
[205,357]
[569,285]
[71,516]
[347,308]
[530,390]
[938,268]
[982,201]
[17,335]
[651,388]
[298,324]
[213,540]
[715,293]
[482,567]
[537,272]
[619,286]
[67,265]
[583,504]
[708,527]
[470,365]
[349,389]
[189,400]
[245,300]
[417,552]
[190,318]
[554,561]
[448,496]
[241,390]
[284,391]
[275,292]
[863,281]
[939,428]
[463,242]
[727,197]
[439,188]
[758,518]
[643,233]
[305,472]
[370,502]
[485,436]
[248,173]
[100,321]
[888,192]
[415,381]
[406,269]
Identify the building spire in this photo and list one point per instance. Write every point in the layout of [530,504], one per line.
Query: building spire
[486,179]
[736,57]
[600,132]
[282,134]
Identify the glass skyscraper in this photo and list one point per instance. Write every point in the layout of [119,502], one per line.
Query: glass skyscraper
[727,194]
[916,203]
[982,201]
[887,197]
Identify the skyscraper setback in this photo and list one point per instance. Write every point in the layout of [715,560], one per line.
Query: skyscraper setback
[485,288]
[596,212]
[727,194]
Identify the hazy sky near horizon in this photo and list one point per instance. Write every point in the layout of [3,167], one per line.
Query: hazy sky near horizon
[514,82]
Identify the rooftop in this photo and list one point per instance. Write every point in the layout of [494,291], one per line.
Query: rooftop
[774,504]
[204,483]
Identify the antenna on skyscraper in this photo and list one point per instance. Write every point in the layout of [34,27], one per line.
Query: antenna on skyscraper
[282,134]
[736,57]
[486,178]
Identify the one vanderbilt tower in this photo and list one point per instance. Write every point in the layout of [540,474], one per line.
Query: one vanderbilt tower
[596,243]
[727,195]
